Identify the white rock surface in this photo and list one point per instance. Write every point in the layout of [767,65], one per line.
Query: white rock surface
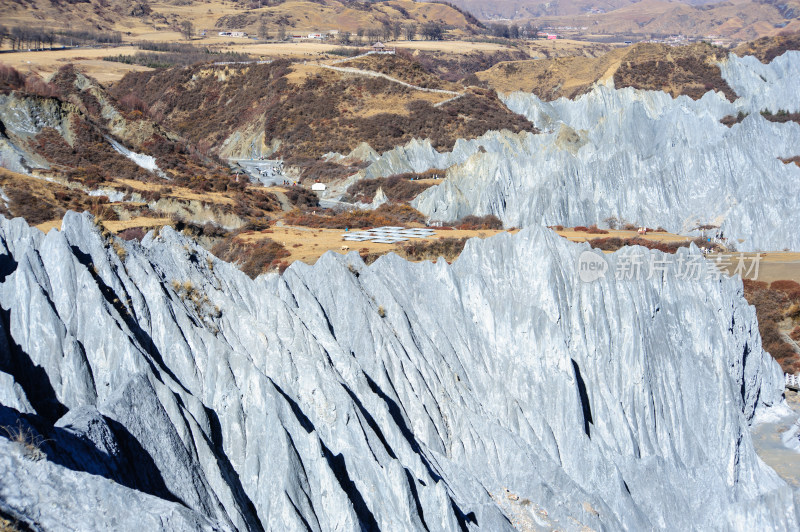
[762,87]
[638,155]
[500,390]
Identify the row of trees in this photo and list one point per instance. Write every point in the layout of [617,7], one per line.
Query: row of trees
[432,31]
[36,38]
[513,31]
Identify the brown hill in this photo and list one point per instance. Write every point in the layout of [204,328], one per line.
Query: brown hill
[735,19]
[768,48]
[309,110]
[689,70]
[739,19]
[158,20]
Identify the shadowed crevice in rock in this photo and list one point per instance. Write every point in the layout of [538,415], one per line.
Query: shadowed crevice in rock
[132,466]
[371,422]
[143,339]
[32,378]
[586,407]
[306,423]
[412,484]
[7,266]
[230,474]
[399,420]
[339,468]
[463,519]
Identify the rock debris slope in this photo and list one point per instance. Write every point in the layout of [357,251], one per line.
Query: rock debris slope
[497,392]
[638,155]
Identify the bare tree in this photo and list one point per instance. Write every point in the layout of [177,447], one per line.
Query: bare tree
[187,28]
[281,33]
[360,34]
[397,30]
[344,37]
[263,31]
[432,31]
[410,30]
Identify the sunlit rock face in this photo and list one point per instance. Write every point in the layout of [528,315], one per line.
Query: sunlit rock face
[640,156]
[500,391]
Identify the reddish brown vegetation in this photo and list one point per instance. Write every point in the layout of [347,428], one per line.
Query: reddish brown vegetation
[775,310]
[301,197]
[692,74]
[39,202]
[398,188]
[314,118]
[476,223]
[614,243]
[768,48]
[358,219]
[594,230]
[252,257]
[781,116]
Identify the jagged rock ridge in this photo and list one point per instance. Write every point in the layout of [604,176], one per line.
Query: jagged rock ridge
[497,392]
[638,155]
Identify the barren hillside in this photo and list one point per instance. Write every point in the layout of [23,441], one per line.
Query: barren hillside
[690,70]
[155,20]
[312,110]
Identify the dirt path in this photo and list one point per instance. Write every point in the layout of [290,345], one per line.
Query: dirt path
[286,205]
[358,71]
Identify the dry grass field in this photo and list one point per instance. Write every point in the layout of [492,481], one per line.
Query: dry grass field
[774,265]
[87,60]
[308,244]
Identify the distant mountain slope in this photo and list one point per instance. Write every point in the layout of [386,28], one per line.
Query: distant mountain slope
[307,111]
[141,16]
[691,70]
[739,19]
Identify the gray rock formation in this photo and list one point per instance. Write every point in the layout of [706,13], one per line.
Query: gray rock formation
[638,155]
[497,392]
[764,87]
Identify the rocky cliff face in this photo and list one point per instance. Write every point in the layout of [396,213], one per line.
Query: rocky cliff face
[638,155]
[500,392]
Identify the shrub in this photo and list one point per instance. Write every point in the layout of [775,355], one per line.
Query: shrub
[302,197]
[615,243]
[387,214]
[120,250]
[772,307]
[790,288]
[472,223]
[580,228]
[133,233]
[252,257]
[398,188]
[594,230]
[28,441]
[447,247]
[10,79]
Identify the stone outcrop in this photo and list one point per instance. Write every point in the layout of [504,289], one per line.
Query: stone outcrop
[641,156]
[495,392]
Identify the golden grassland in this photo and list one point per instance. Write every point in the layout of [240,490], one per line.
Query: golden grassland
[87,60]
